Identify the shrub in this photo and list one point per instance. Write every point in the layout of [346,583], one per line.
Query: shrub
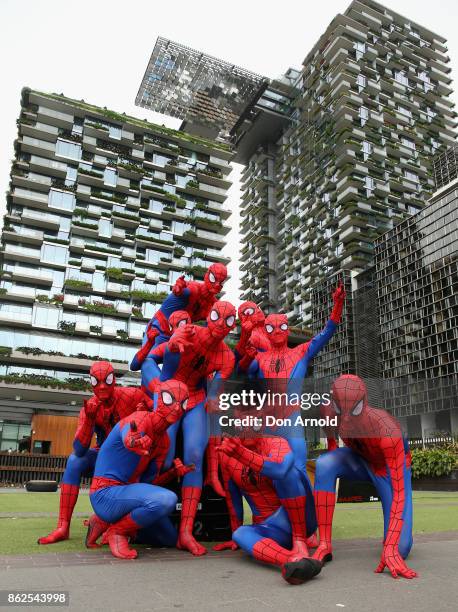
[432,462]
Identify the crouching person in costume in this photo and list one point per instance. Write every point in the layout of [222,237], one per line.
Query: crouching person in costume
[101,412]
[375,451]
[131,457]
[262,470]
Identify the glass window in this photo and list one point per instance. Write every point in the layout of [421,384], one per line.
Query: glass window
[361,80]
[54,253]
[401,77]
[407,142]
[109,177]
[405,111]
[61,199]
[105,228]
[64,148]
[115,132]
[98,281]
[46,316]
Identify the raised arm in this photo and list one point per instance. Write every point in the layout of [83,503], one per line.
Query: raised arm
[142,354]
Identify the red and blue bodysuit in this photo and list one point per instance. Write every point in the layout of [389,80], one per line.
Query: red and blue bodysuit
[192,355]
[132,457]
[285,368]
[253,331]
[262,470]
[374,451]
[101,412]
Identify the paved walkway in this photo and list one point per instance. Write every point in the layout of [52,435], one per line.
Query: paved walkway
[169,579]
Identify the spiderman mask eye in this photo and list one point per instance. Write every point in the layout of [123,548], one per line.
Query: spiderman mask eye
[249,311]
[284,326]
[230,321]
[211,277]
[269,329]
[94,381]
[182,323]
[167,398]
[335,406]
[109,379]
[184,404]
[214,316]
[358,408]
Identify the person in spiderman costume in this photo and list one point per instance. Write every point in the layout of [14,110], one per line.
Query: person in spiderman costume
[195,297]
[285,368]
[100,413]
[122,496]
[150,353]
[262,470]
[253,332]
[375,451]
[192,355]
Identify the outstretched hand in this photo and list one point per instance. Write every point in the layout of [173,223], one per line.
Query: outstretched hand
[179,286]
[395,563]
[229,446]
[182,339]
[137,441]
[339,294]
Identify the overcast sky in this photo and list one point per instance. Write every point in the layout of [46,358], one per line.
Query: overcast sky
[98,50]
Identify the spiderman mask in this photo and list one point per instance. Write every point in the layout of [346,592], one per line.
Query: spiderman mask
[102,379]
[276,327]
[349,400]
[250,313]
[177,319]
[172,400]
[215,277]
[221,319]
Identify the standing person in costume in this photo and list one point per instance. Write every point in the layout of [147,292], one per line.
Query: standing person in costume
[262,470]
[285,368]
[192,355]
[375,451]
[100,413]
[133,456]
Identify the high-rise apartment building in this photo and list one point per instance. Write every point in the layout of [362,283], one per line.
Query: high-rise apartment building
[417,285]
[336,153]
[367,112]
[104,212]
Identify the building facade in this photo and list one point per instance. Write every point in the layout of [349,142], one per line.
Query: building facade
[417,285]
[367,112]
[104,212]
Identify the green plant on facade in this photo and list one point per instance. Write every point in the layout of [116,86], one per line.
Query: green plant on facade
[68,327]
[72,384]
[74,283]
[146,296]
[121,333]
[5,351]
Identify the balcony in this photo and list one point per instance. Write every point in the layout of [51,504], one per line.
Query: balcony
[15,319]
[24,235]
[57,117]
[20,294]
[30,198]
[22,253]
[28,275]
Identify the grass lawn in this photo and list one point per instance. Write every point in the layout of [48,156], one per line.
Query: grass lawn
[432,512]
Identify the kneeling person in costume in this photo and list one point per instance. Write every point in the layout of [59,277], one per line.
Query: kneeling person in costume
[132,457]
[262,470]
[375,451]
